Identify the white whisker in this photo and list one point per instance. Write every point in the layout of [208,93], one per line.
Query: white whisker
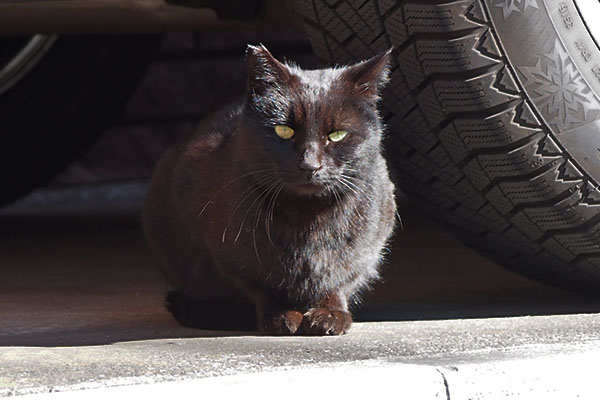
[400,220]
[261,186]
[271,211]
[229,183]
[264,196]
[348,185]
[252,188]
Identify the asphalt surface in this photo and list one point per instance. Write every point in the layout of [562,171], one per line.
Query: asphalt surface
[81,307]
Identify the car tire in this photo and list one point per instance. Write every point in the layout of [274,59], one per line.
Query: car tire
[493,116]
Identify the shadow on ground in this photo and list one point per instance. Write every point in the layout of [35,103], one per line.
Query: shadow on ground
[82,281]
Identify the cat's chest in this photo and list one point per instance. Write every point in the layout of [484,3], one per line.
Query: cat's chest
[288,238]
[297,247]
[307,228]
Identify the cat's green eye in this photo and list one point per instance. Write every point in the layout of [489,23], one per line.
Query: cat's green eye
[336,136]
[284,131]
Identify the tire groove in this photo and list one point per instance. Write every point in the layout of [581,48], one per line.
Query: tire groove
[539,204]
[518,178]
[455,76]
[498,150]
[357,34]
[585,257]
[584,226]
[476,115]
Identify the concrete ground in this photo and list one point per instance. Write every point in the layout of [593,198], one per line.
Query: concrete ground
[81,307]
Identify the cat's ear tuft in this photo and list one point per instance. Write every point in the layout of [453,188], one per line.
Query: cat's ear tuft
[264,70]
[368,78]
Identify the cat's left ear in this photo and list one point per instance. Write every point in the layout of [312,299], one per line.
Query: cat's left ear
[264,70]
[369,77]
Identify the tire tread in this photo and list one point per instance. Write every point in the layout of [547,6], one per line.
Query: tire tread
[465,138]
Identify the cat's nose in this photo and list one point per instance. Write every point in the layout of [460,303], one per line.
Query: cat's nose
[309,160]
[309,164]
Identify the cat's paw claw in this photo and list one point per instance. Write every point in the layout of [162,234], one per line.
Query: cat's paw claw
[281,323]
[323,321]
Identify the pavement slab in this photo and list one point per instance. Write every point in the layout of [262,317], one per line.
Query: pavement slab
[475,358]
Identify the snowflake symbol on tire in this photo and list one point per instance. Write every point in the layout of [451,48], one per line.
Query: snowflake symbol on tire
[518,6]
[558,89]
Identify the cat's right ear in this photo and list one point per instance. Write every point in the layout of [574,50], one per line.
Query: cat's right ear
[367,78]
[264,70]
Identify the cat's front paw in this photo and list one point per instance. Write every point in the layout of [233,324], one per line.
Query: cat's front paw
[285,322]
[323,321]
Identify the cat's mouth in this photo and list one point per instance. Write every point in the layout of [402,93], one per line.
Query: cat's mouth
[307,188]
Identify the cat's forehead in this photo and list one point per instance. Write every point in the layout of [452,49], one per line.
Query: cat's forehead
[320,96]
[318,80]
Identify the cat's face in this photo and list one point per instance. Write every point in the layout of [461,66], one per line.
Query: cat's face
[314,128]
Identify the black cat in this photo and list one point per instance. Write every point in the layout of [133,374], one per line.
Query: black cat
[275,213]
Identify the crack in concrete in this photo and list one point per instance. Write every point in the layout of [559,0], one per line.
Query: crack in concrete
[446,384]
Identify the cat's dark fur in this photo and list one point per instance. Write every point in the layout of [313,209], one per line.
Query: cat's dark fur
[245,224]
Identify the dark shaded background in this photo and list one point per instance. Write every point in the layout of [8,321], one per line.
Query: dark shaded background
[191,75]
